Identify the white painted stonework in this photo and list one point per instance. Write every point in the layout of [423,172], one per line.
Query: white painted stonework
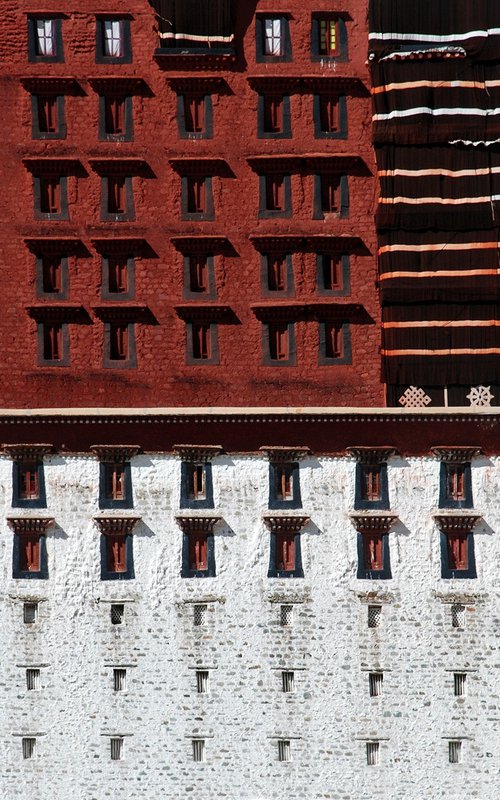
[328,718]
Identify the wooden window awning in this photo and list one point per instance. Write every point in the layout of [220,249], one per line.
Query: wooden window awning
[67,245]
[202,244]
[27,452]
[308,244]
[126,246]
[308,311]
[37,525]
[115,452]
[372,455]
[51,85]
[373,522]
[128,312]
[290,523]
[54,166]
[456,522]
[200,453]
[121,166]
[307,164]
[116,524]
[280,455]
[197,84]
[197,524]
[62,312]
[296,84]
[455,455]
[201,166]
[118,84]
[205,312]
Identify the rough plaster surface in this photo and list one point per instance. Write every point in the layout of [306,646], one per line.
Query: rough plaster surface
[329,645]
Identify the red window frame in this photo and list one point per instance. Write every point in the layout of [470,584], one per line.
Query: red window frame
[52,341]
[273,113]
[28,480]
[196,194]
[458,550]
[114,481]
[198,273]
[279,341]
[118,341]
[276,272]
[116,552]
[117,200]
[328,37]
[373,551]
[118,274]
[283,481]
[114,115]
[197,488]
[50,194]
[29,552]
[456,482]
[198,551]
[285,551]
[329,113]
[51,274]
[330,194]
[201,340]
[371,484]
[275,192]
[194,113]
[48,117]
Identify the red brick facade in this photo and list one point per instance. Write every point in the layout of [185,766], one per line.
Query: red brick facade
[96,361]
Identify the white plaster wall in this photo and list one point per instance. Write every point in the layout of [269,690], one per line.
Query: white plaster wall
[329,645]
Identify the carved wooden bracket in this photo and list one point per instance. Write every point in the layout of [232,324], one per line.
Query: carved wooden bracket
[115,452]
[455,455]
[27,452]
[30,524]
[372,455]
[199,453]
[197,524]
[285,522]
[284,455]
[458,521]
[116,524]
[376,521]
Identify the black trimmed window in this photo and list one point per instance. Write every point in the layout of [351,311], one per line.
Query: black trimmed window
[195,115]
[197,201]
[277,273]
[273,42]
[198,554]
[330,116]
[455,485]
[29,556]
[117,556]
[285,557]
[119,345]
[199,276]
[28,484]
[331,195]
[273,116]
[202,343]
[457,554]
[118,276]
[115,484]
[51,197]
[196,485]
[279,344]
[116,118]
[52,275]
[53,344]
[333,274]
[45,42]
[335,342]
[117,198]
[284,485]
[275,195]
[372,488]
[328,38]
[47,116]
[113,41]
[374,560]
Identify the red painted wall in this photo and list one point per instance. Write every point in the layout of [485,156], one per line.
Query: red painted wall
[162,377]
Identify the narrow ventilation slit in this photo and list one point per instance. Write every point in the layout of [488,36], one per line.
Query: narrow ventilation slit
[30,613]
[458,616]
[29,746]
[116,746]
[200,615]
[288,681]
[117,613]
[286,616]
[459,683]
[119,679]
[198,749]
[372,754]
[375,680]
[284,750]
[374,616]
[202,681]
[33,680]
[455,752]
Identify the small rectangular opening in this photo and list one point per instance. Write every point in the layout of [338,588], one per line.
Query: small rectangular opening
[455,752]
[116,552]
[374,616]
[200,332]
[276,272]
[194,113]
[284,750]
[198,749]
[457,545]
[373,550]
[117,613]
[331,272]
[198,552]
[279,341]
[459,683]
[196,195]
[29,746]
[114,479]
[286,616]
[29,488]
[52,341]
[275,192]
[30,613]
[47,113]
[51,274]
[114,115]
[458,616]
[202,681]
[371,482]
[273,36]
[116,747]
[372,753]
[45,37]
[50,195]
[334,342]
[29,552]
[119,679]
[273,113]
[285,551]
[288,681]
[113,38]
[197,489]
[116,194]
[328,37]
[328,113]
[33,679]
[118,274]
[455,481]
[375,680]
[198,273]
[283,475]
[200,614]
[118,341]
[330,194]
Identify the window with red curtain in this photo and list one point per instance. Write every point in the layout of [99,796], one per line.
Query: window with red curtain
[276,272]
[116,194]
[275,192]
[373,551]
[116,548]
[114,115]
[47,113]
[285,551]
[279,341]
[196,200]
[50,195]
[196,482]
[29,488]
[194,113]
[273,113]
[283,476]
[115,481]
[29,552]
[457,550]
[455,474]
[370,482]
[198,551]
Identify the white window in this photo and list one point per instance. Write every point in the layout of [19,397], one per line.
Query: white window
[455,751]
[33,681]
[273,36]
[375,680]
[113,38]
[284,750]
[30,613]
[458,616]
[202,681]
[459,683]
[29,746]
[373,753]
[288,681]
[198,749]
[286,616]
[119,679]
[374,616]
[117,612]
[116,745]
[45,37]
[200,614]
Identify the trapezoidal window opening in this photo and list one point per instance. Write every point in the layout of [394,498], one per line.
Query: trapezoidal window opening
[118,274]
[272,113]
[274,192]
[114,115]
[328,44]
[329,113]
[52,274]
[116,194]
[277,268]
[30,559]
[194,113]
